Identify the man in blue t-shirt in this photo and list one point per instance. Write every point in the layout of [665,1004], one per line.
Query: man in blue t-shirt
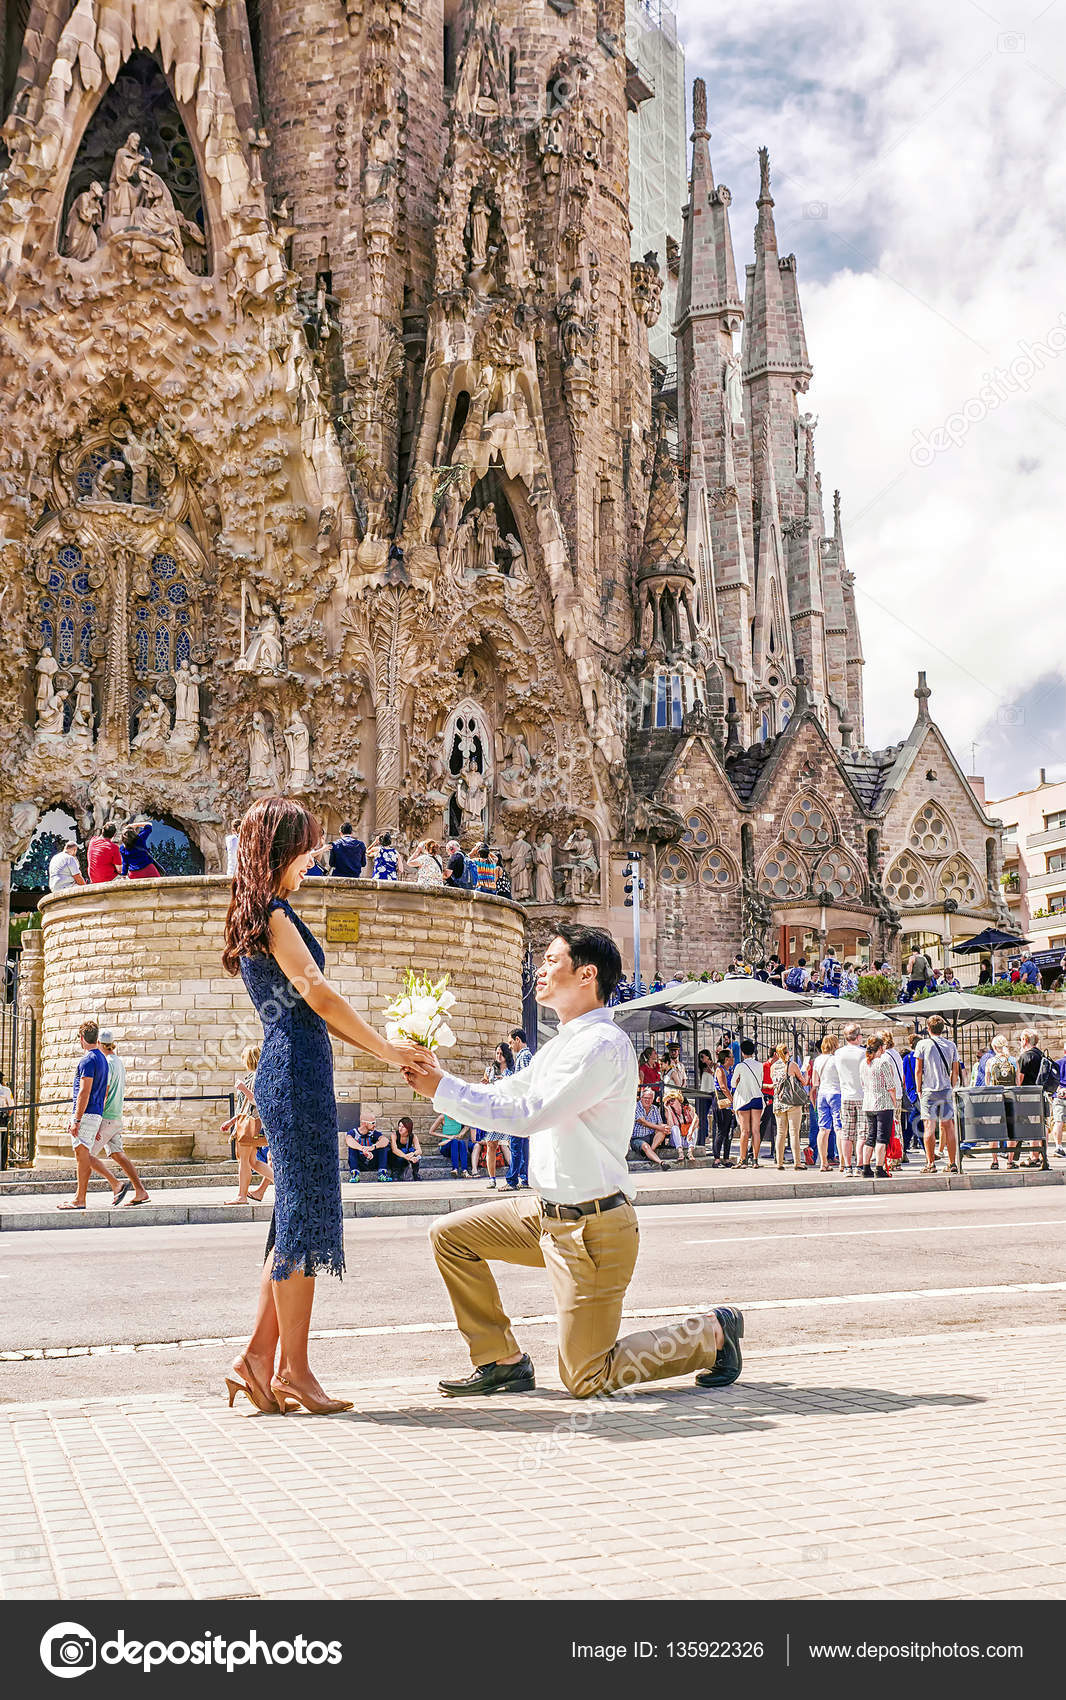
[347,854]
[90,1091]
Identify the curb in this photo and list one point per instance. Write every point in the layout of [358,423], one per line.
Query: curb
[175,1215]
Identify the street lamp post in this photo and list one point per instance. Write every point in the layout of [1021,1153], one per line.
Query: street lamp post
[634,888]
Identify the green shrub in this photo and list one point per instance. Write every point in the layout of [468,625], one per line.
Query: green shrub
[877,989]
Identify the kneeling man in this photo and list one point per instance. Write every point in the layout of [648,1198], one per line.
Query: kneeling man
[575,1103]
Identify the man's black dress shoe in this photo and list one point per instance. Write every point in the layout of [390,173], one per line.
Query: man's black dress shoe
[493,1378]
[730,1360]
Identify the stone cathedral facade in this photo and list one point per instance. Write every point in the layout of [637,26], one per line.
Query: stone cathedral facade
[331,463]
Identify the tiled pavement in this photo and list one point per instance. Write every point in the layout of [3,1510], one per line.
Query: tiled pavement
[898,1469]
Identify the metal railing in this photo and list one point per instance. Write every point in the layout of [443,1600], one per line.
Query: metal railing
[13,1155]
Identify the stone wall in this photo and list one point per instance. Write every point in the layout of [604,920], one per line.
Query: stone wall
[143,958]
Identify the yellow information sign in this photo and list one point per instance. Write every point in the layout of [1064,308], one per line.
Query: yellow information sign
[342,926]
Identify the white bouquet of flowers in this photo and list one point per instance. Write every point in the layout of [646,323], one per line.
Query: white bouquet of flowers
[418,1014]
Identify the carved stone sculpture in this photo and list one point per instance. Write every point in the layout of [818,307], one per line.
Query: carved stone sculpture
[153,724]
[82,723]
[472,795]
[520,857]
[544,881]
[124,189]
[488,537]
[187,703]
[262,766]
[298,749]
[515,558]
[584,865]
[47,668]
[86,214]
[265,654]
[50,716]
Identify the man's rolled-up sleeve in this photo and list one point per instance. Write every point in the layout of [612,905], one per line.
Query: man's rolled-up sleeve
[521,1104]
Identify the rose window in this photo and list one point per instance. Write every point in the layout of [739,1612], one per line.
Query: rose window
[807,824]
[930,832]
[783,875]
[907,881]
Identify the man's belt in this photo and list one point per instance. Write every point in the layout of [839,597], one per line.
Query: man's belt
[574,1212]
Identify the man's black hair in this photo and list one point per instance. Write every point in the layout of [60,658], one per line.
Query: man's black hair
[590,945]
[347,827]
[747,1047]
[518,1033]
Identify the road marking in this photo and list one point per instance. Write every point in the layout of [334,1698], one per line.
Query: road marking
[864,1233]
[695,1307]
[417,1384]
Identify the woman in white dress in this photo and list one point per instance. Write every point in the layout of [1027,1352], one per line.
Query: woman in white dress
[425,858]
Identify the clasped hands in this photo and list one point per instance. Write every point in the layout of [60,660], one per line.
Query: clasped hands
[419,1067]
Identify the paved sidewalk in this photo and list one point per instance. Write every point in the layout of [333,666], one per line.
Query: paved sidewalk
[203,1204]
[883,1470]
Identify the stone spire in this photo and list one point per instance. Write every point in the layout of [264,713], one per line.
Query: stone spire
[774,335]
[923,693]
[708,281]
[772,643]
[854,661]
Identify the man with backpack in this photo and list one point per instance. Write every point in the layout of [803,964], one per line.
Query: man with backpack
[455,871]
[830,973]
[936,1074]
[919,974]
[798,978]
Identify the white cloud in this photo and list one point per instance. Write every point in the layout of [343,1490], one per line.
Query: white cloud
[934,138]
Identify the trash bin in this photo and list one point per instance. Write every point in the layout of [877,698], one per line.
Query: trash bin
[982,1116]
[1026,1114]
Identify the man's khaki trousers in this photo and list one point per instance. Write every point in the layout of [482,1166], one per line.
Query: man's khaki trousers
[589,1263]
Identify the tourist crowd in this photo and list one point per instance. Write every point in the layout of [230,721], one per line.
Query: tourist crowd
[857,1105]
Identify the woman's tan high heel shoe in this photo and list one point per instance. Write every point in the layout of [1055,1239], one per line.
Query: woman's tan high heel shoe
[261,1397]
[290,1399]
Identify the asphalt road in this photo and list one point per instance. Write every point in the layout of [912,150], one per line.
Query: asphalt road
[160,1286]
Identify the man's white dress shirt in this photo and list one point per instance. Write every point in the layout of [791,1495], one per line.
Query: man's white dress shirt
[575,1104]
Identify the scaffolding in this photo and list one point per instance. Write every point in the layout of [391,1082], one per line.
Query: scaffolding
[658,181]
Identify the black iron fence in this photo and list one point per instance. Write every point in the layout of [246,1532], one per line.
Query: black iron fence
[24,1113]
[18,1063]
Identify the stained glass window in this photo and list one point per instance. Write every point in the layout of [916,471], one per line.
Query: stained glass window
[66,610]
[907,881]
[807,824]
[930,832]
[697,832]
[837,875]
[783,875]
[674,868]
[715,871]
[957,881]
[162,619]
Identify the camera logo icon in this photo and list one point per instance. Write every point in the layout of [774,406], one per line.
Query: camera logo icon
[67,1649]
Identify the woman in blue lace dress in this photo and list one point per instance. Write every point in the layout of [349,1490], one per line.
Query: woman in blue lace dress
[280,962]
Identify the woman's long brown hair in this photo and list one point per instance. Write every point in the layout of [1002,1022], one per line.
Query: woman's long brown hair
[272,832]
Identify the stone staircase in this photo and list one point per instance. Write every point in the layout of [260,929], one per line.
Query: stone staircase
[59,1178]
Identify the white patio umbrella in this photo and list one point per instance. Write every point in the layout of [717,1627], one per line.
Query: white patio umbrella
[739,996]
[962,1007]
[828,1010]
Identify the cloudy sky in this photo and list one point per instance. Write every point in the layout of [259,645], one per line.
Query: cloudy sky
[919,174]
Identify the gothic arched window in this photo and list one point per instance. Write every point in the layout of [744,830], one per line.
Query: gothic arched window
[140,100]
[908,882]
[697,834]
[675,868]
[67,608]
[783,874]
[808,824]
[930,832]
[837,875]
[162,619]
[958,880]
[717,870]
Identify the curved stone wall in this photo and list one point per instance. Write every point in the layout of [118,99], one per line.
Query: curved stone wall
[143,958]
